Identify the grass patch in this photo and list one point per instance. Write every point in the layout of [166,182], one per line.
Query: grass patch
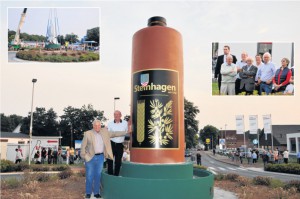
[10,183]
[215,88]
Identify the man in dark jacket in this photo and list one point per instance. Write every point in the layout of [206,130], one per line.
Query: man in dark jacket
[221,59]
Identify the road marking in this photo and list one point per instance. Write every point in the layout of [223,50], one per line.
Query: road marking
[211,169]
[212,162]
[231,168]
[221,168]
[242,169]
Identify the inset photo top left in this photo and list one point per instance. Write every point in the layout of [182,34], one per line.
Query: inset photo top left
[62,35]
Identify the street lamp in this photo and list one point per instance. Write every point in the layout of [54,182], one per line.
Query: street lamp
[225,137]
[31,119]
[71,128]
[116,98]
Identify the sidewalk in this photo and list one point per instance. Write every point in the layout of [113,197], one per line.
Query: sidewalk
[258,167]
[237,163]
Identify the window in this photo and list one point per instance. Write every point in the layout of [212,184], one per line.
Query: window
[21,142]
[293,145]
[264,47]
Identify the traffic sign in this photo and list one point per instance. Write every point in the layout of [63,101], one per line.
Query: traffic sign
[222,141]
[255,141]
[207,140]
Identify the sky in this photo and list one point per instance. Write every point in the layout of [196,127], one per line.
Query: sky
[199,22]
[36,20]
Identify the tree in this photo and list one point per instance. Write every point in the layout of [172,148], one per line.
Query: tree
[11,35]
[72,38]
[190,123]
[9,123]
[61,39]
[44,123]
[210,132]
[77,121]
[93,35]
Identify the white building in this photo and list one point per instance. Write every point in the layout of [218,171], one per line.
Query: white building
[278,50]
[14,139]
[11,141]
[293,143]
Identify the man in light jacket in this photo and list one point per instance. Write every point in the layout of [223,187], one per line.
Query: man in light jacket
[95,146]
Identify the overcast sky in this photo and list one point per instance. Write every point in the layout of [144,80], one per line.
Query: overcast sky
[36,20]
[200,23]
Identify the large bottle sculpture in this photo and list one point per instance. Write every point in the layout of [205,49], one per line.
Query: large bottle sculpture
[157,95]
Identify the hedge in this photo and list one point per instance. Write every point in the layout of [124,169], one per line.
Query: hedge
[9,166]
[292,168]
[33,55]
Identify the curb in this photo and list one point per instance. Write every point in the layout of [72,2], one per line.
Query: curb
[223,161]
[31,172]
[270,172]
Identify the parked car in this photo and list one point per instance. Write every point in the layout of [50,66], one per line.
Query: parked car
[187,154]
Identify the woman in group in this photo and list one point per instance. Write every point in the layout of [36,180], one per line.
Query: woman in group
[282,76]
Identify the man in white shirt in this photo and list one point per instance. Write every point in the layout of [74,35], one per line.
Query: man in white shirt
[116,143]
[228,72]
[259,64]
[240,65]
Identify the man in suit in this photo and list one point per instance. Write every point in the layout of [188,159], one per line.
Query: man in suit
[222,59]
[95,146]
[247,76]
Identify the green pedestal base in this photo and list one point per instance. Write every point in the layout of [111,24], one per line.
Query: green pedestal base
[158,181]
[52,46]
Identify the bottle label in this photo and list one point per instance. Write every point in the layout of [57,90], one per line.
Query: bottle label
[155,117]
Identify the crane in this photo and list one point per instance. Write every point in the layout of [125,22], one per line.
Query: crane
[16,43]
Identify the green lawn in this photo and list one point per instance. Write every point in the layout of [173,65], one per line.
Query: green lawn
[215,89]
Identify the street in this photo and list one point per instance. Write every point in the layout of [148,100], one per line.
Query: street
[218,167]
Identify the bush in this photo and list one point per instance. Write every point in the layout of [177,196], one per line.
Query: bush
[231,176]
[42,177]
[243,181]
[21,166]
[65,174]
[219,177]
[293,183]
[259,180]
[7,166]
[292,168]
[10,183]
[40,168]
[60,168]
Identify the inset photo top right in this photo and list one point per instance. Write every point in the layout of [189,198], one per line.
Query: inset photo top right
[252,68]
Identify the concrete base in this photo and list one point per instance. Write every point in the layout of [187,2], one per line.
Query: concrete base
[53,46]
[158,181]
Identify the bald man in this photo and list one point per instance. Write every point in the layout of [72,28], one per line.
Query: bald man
[228,72]
[95,146]
[116,143]
[265,74]
[222,59]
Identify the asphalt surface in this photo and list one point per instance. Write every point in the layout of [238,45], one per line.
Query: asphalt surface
[218,167]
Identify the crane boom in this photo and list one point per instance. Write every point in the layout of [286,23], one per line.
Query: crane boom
[22,20]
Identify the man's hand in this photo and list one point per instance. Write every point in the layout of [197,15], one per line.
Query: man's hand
[268,82]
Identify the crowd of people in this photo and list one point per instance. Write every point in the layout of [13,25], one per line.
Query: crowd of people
[51,155]
[267,156]
[245,76]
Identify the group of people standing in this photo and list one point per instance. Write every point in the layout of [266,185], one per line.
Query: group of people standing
[235,77]
[99,144]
